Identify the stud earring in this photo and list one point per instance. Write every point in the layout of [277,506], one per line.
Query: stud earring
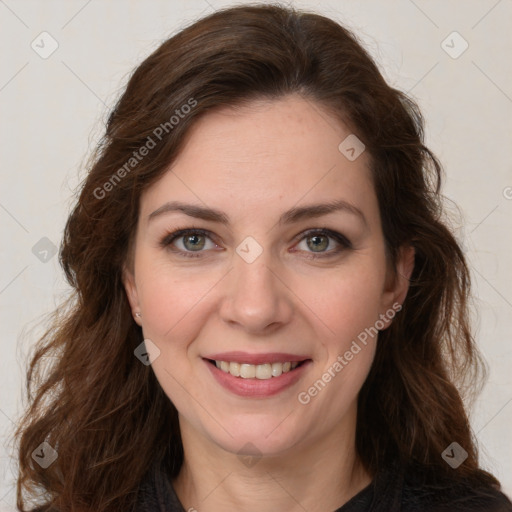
[138,315]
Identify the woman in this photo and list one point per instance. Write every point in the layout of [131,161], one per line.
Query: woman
[269,312]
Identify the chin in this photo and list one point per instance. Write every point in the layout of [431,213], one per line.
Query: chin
[256,436]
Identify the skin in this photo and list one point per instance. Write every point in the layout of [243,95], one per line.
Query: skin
[254,163]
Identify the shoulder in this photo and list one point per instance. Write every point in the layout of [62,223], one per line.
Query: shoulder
[449,496]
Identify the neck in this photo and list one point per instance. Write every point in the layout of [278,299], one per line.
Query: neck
[317,475]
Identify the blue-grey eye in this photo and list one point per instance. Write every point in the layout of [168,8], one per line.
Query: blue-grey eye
[318,243]
[193,242]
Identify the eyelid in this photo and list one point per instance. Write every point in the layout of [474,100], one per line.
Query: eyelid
[168,239]
[339,237]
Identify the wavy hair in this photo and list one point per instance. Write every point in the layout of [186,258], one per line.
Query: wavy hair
[101,409]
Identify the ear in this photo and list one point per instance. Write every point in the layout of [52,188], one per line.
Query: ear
[397,284]
[130,287]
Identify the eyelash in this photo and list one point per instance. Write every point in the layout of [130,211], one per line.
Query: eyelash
[338,237]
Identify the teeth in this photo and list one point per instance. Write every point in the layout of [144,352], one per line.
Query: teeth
[277,369]
[259,371]
[234,369]
[264,371]
[247,371]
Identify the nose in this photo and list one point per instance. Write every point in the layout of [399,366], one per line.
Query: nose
[256,297]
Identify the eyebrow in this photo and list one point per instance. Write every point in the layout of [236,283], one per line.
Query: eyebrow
[291,216]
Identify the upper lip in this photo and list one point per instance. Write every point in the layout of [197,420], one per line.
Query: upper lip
[246,357]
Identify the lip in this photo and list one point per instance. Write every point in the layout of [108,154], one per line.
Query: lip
[247,358]
[258,388]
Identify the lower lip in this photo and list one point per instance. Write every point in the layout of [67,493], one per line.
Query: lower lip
[257,388]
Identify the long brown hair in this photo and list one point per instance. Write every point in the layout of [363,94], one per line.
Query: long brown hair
[101,409]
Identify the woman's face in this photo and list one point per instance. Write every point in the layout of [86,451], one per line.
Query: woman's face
[256,281]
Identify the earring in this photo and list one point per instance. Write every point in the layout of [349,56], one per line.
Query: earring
[138,315]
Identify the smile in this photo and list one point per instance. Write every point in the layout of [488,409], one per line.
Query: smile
[259,371]
[256,380]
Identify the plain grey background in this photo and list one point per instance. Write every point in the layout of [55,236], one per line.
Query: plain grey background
[452,56]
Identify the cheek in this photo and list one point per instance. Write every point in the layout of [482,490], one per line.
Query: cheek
[348,308]
[346,301]
[175,305]
[173,301]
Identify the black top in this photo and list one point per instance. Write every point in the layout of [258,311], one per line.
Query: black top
[394,489]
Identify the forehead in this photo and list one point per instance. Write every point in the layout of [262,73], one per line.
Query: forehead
[252,158]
